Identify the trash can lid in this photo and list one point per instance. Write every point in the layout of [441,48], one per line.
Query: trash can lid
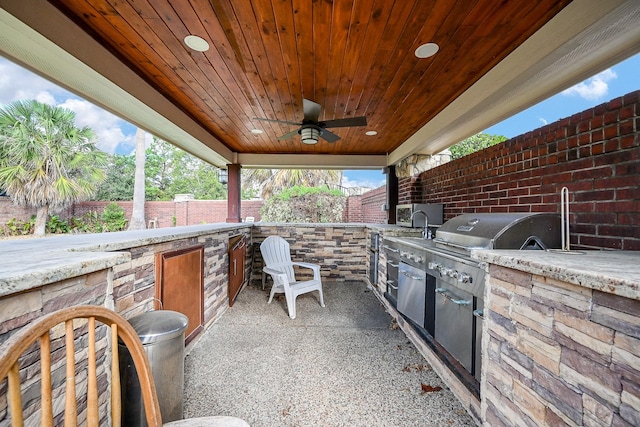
[159,325]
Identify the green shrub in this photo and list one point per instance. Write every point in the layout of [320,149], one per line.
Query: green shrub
[305,204]
[55,225]
[113,218]
[16,227]
[91,222]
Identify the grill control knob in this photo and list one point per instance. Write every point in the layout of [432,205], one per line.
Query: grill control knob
[464,278]
[443,271]
[418,259]
[453,274]
[433,265]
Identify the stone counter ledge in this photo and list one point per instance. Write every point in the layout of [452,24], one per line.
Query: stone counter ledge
[614,272]
[30,263]
[24,273]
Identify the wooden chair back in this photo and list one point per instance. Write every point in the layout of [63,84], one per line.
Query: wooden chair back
[40,332]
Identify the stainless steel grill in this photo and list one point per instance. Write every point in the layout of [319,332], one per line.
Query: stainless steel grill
[460,280]
[451,296]
[500,231]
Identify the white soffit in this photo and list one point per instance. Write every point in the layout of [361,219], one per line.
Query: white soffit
[115,88]
[585,38]
[317,161]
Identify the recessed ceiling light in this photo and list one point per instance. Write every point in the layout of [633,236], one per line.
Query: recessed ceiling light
[256,131]
[196,43]
[371,132]
[427,50]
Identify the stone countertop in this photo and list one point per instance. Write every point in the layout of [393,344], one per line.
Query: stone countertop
[615,272]
[34,262]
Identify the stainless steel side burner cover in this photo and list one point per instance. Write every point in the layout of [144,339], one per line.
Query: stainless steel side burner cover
[500,231]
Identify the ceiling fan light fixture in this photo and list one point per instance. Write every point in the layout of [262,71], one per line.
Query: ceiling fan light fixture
[427,50]
[256,131]
[371,133]
[310,134]
[196,43]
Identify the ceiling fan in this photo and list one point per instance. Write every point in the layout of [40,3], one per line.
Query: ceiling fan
[311,129]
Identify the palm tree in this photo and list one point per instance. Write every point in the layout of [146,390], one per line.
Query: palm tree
[137,216]
[270,181]
[46,161]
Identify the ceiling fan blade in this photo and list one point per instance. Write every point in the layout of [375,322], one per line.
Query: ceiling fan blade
[329,136]
[311,110]
[288,135]
[277,121]
[343,123]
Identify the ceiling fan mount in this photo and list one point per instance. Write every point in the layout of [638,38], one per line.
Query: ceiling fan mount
[311,130]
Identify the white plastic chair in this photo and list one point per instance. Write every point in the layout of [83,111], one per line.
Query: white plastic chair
[277,259]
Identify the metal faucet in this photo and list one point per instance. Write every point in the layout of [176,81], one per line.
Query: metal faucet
[426,233]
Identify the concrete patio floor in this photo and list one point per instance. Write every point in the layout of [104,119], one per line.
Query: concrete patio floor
[343,365]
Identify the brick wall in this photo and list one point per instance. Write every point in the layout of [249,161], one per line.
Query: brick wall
[353,209]
[409,190]
[372,203]
[558,354]
[193,212]
[190,212]
[595,154]
[8,211]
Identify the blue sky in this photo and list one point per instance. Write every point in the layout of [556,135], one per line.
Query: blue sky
[116,135]
[605,86]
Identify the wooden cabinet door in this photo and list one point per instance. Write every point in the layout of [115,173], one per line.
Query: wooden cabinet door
[237,249]
[180,285]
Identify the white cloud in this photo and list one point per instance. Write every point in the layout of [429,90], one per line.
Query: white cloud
[107,127]
[16,84]
[346,182]
[543,120]
[594,88]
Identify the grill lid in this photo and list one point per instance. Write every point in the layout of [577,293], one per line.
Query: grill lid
[501,231]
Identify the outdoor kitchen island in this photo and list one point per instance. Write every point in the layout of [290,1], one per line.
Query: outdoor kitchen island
[561,341]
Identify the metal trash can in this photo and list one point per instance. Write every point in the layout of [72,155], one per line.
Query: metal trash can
[162,335]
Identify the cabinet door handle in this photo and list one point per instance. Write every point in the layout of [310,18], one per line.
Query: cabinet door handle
[443,292]
[392,264]
[479,313]
[235,272]
[391,249]
[404,273]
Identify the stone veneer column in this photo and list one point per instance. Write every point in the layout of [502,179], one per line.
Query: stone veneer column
[558,354]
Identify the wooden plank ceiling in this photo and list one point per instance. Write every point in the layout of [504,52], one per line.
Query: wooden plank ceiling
[353,57]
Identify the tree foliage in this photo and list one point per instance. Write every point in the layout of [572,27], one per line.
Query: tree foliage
[168,171]
[475,143]
[270,181]
[46,161]
[304,204]
[119,182]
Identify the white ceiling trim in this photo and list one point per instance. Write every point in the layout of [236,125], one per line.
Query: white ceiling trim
[306,161]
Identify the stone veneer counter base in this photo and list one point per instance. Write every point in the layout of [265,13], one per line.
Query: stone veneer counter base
[561,339]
